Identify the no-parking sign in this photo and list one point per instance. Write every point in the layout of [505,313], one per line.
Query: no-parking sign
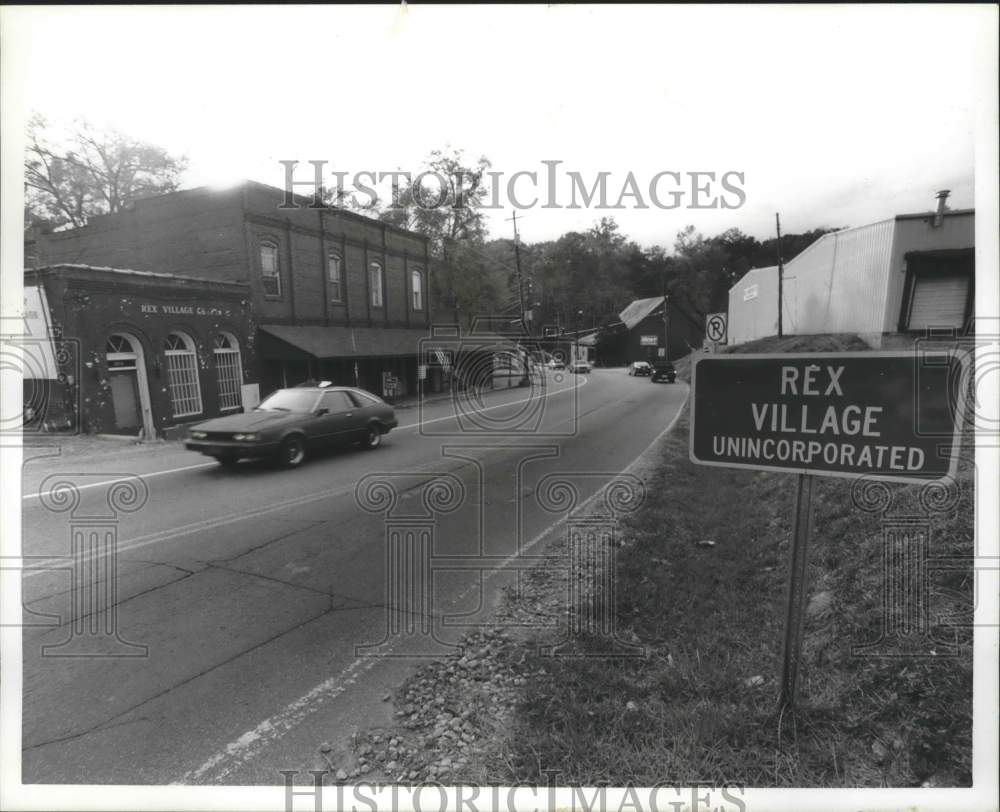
[715,327]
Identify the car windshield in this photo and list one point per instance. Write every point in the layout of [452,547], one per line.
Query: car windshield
[289,400]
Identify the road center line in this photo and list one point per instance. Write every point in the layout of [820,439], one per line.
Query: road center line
[43,494]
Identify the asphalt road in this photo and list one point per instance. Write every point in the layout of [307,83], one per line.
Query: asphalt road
[241,597]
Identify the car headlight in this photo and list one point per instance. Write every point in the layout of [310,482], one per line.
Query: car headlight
[244,436]
[198,435]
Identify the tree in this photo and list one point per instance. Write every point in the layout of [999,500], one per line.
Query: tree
[91,172]
[444,203]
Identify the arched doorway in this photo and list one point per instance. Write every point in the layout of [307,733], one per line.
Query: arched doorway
[129,388]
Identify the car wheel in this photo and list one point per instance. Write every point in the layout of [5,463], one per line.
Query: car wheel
[292,452]
[373,436]
[227,460]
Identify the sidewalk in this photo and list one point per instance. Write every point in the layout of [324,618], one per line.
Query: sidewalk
[89,446]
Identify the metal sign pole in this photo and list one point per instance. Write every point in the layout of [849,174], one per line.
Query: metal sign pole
[798,563]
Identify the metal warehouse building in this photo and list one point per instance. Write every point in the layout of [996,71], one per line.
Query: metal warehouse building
[910,273]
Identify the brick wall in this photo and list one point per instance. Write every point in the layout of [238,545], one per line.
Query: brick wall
[87,306]
[217,235]
[196,233]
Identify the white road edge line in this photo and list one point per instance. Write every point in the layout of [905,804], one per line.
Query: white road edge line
[42,494]
[239,751]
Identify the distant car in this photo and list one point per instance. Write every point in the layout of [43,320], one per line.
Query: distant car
[663,372]
[580,368]
[638,368]
[556,363]
[291,424]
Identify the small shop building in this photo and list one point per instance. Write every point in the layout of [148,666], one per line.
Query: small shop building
[135,353]
[649,330]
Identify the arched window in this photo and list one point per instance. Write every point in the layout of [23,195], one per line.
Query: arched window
[335,274]
[118,344]
[270,270]
[375,283]
[182,375]
[228,371]
[417,288]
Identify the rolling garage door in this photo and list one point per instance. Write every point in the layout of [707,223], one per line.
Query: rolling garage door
[939,301]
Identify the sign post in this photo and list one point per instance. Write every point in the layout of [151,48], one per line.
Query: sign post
[798,583]
[884,416]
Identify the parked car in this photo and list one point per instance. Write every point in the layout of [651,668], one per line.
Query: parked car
[663,372]
[580,368]
[291,424]
[638,368]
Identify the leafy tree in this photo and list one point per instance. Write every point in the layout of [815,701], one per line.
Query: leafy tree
[447,203]
[444,203]
[91,172]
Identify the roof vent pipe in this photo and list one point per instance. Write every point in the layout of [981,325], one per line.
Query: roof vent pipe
[942,207]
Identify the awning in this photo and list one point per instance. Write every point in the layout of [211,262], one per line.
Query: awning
[336,342]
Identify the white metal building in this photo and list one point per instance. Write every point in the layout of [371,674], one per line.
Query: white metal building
[910,273]
[754,300]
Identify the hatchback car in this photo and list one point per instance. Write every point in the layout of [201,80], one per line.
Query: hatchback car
[639,368]
[580,368]
[290,424]
[663,372]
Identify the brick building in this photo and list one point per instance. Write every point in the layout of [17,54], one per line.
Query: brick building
[337,296]
[114,351]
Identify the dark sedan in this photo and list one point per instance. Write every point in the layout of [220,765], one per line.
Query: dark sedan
[292,423]
[663,372]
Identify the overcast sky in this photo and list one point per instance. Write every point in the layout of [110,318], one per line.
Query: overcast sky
[834,115]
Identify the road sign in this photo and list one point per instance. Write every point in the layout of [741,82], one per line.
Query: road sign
[889,416]
[648,341]
[715,327]
[881,415]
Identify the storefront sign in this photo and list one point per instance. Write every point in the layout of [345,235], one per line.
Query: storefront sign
[390,384]
[157,309]
[648,341]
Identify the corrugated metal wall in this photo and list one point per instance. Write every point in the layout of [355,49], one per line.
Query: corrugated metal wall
[753,306]
[840,283]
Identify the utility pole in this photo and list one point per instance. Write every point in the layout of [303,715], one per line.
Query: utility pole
[520,286]
[781,274]
[520,298]
[576,336]
[666,322]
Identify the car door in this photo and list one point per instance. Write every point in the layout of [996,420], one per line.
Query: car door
[366,408]
[334,425]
